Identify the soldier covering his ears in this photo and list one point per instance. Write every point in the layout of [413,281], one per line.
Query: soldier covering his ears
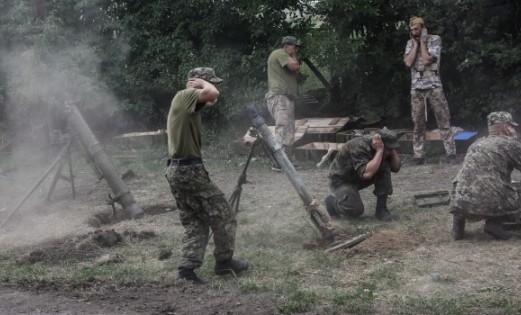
[361,162]
[422,56]
[201,204]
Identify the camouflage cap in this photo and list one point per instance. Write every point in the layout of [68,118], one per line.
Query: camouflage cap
[500,117]
[389,138]
[291,40]
[205,73]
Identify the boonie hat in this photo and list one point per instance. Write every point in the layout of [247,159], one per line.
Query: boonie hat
[205,73]
[389,138]
[500,117]
[291,40]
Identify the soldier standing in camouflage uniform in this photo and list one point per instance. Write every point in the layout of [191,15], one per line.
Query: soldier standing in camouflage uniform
[361,162]
[201,204]
[422,55]
[483,189]
[283,71]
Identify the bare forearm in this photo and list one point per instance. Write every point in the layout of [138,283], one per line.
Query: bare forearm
[208,93]
[410,58]
[427,58]
[372,166]
[293,65]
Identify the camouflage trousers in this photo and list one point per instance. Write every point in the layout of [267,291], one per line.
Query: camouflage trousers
[282,109]
[202,207]
[348,201]
[483,201]
[420,99]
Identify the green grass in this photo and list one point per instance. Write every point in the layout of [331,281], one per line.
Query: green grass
[359,300]
[296,299]
[271,235]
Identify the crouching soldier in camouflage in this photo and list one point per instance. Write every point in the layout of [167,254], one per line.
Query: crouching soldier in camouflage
[361,162]
[482,188]
[201,204]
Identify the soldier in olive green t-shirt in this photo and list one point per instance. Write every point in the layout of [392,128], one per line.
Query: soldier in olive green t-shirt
[283,71]
[201,203]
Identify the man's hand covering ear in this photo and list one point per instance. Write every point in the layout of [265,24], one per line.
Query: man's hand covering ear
[423,36]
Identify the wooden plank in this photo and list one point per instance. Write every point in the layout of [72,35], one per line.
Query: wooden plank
[324,122]
[142,139]
[334,121]
[301,122]
[324,129]
[300,131]
[242,145]
[426,199]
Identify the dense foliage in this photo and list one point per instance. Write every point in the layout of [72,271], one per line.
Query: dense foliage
[125,59]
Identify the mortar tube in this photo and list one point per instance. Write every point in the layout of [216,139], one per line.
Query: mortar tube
[123,196]
[317,212]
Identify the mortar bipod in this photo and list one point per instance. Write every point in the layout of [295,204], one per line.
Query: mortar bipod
[65,158]
[235,197]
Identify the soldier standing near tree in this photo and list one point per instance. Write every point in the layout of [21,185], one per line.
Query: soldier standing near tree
[422,55]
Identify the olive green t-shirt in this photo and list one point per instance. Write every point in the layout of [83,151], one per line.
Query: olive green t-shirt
[280,79]
[184,125]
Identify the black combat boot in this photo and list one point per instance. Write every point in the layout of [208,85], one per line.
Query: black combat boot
[458,227]
[330,206]
[494,227]
[228,266]
[418,161]
[188,275]
[452,159]
[382,213]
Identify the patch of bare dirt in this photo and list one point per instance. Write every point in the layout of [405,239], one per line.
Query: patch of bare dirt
[95,296]
[71,239]
[147,298]
[386,240]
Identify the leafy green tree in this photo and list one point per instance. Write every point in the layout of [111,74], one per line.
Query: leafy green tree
[120,58]
[364,41]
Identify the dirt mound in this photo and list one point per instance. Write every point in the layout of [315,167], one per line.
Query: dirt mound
[110,218]
[79,248]
[384,241]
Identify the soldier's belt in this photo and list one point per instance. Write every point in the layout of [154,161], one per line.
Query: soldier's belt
[192,161]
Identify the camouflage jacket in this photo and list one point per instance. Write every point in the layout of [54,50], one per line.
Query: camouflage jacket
[483,186]
[350,161]
[422,76]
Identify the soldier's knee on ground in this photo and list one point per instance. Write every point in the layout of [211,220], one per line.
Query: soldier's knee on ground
[350,208]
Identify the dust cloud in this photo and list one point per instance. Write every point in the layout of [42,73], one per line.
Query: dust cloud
[39,84]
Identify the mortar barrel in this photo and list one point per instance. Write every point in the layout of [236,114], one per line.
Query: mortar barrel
[122,194]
